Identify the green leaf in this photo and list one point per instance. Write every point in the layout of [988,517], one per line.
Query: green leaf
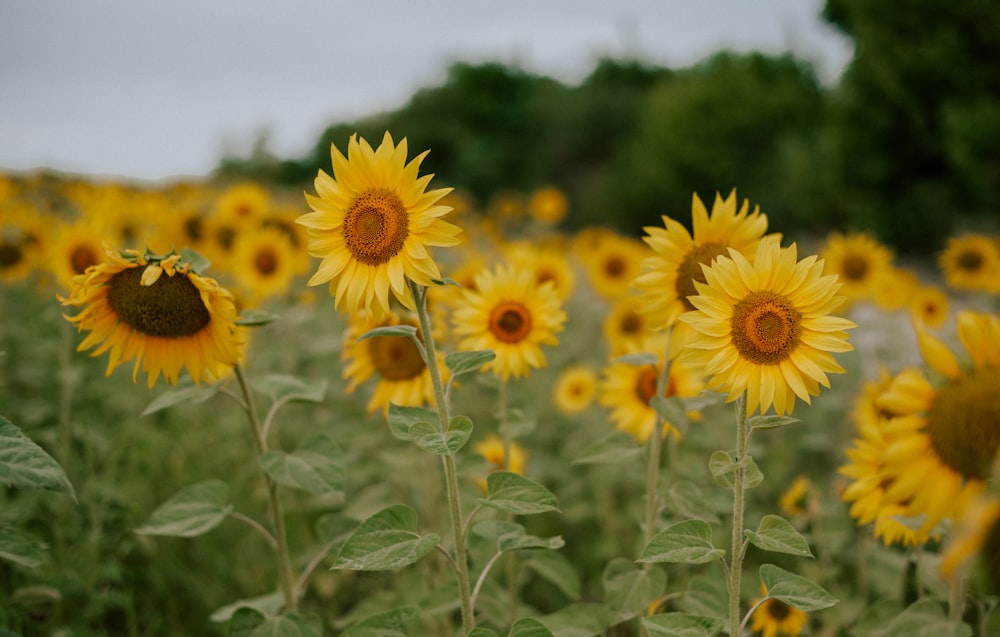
[776,534]
[555,568]
[926,618]
[386,541]
[266,605]
[703,400]
[771,421]
[614,448]
[25,465]
[630,590]
[446,281]
[428,437]
[402,419]
[516,494]
[185,392]
[244,621]
[794,590]
[255,318]
[18,547]
[479,631]
[682,625]
[640,358]
[529,628]
[391,623]
[195,259]
[290,625]
[671,410]
[318,466]
[511,536]
[579,620]
[390,330]
[191,511]
[688,542]
[283,388]
[464,362]
[723,468]
[686,500]
[516,424]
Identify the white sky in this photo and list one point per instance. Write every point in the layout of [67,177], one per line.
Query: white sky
[154,90]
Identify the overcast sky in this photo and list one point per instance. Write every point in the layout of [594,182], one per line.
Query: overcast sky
[154,90]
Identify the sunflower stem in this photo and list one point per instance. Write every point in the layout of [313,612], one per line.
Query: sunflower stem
[286,578]
[736,546]
[448,460]
[654,460]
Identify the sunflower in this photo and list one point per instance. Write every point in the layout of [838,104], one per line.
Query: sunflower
[22,233]
[403,376]
[670,274]
[765,329]
[977,534]
[775,618]
[972,262]
[371,224]
[799,498]
[859,261]
[613,264]
[626,328]
[946,435]
[894,289]
[511,314]
[491,448]
[158,311]
[263,263]
[575,389]
[242,205]
[929,305]
[74,248]
[548,205]
[626,389]
[547,260]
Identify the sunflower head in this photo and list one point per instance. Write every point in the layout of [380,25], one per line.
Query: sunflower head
[859,260]
[775,618]
[972,262]
[575,389]
[371,224]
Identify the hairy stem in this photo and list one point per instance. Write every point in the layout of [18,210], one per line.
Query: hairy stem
[736,546]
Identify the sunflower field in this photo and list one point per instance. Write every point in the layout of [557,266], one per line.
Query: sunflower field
[381,410]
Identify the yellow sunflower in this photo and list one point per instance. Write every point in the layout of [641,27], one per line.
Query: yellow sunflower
[575,389]
[972,262]
[511,314]
[159,312]
[929,305]
[549,262]
[894,289]
[765,328]
[626,390]
[613,264]
[775,618]
[548,205]
[371,224]
[799,498]
[670,274]
[263,263]
[858,260]
[947,434]
[22,233]
[491,448]
[977,535]
[75,247]
[626,328]
[242,205]
[403,377]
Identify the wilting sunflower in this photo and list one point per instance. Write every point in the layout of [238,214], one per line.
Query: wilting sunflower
[859,260]
[972,262]
[670,274]
[765,329]
[613,264]
[263,263]
[575,389]
[371,224]
[491,448]
[977,535]
[403,376]
[946,435]
[775,618]
[512,315]
[158,311]
[626,390]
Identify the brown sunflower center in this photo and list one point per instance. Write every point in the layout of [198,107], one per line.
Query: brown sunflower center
[766,328]
[855,267]
[225,235]
[194,228]
[82,257]
[171,307]
[778,610]
[970,261]
[265,261]
[631,323]
[645,384]
[614,266]
[396,358]
[376,226]
[10,254]
[964,423]
[690,270]
[510,322]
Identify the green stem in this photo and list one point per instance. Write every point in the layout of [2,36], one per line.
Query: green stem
[448,460]
[736,546]
[956,599]
[286,578]
[654,460]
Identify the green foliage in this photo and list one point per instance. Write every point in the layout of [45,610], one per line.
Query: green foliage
[191,511]
[681,625]
[688,542]
[25,465]
[387,540]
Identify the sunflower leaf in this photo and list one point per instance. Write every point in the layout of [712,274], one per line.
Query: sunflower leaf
[771,421]
[24,464]
[776,534]
[185,391]
[479,631]
[641,358]
[255,318]
[464,362]
[390,623]
[723,469]
[198,262]
[672,410]
[794,590]
[386,541]
[688,542]
[317,466]
[18,547]
[194,510]
[703,400]
[516,494]
[289,625]
[528,627]
[511,536]
[390,330]
[682,625]
[283,388]
[515,423]
[615,447]
[263,605]
[630,590]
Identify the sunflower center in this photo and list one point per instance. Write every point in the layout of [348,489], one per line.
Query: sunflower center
[226,235]
[766,328]
[194,228]
[510,322]
[376,226]
[614,266]
[82,257]
[631,323]
[690,270]
[855,267]
[171,307]
[778,610]
[964,423]
[396,358]
[10,254]
[266,262]
[645,384]
[971,261]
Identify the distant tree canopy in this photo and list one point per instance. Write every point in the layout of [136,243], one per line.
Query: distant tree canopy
[905,145]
